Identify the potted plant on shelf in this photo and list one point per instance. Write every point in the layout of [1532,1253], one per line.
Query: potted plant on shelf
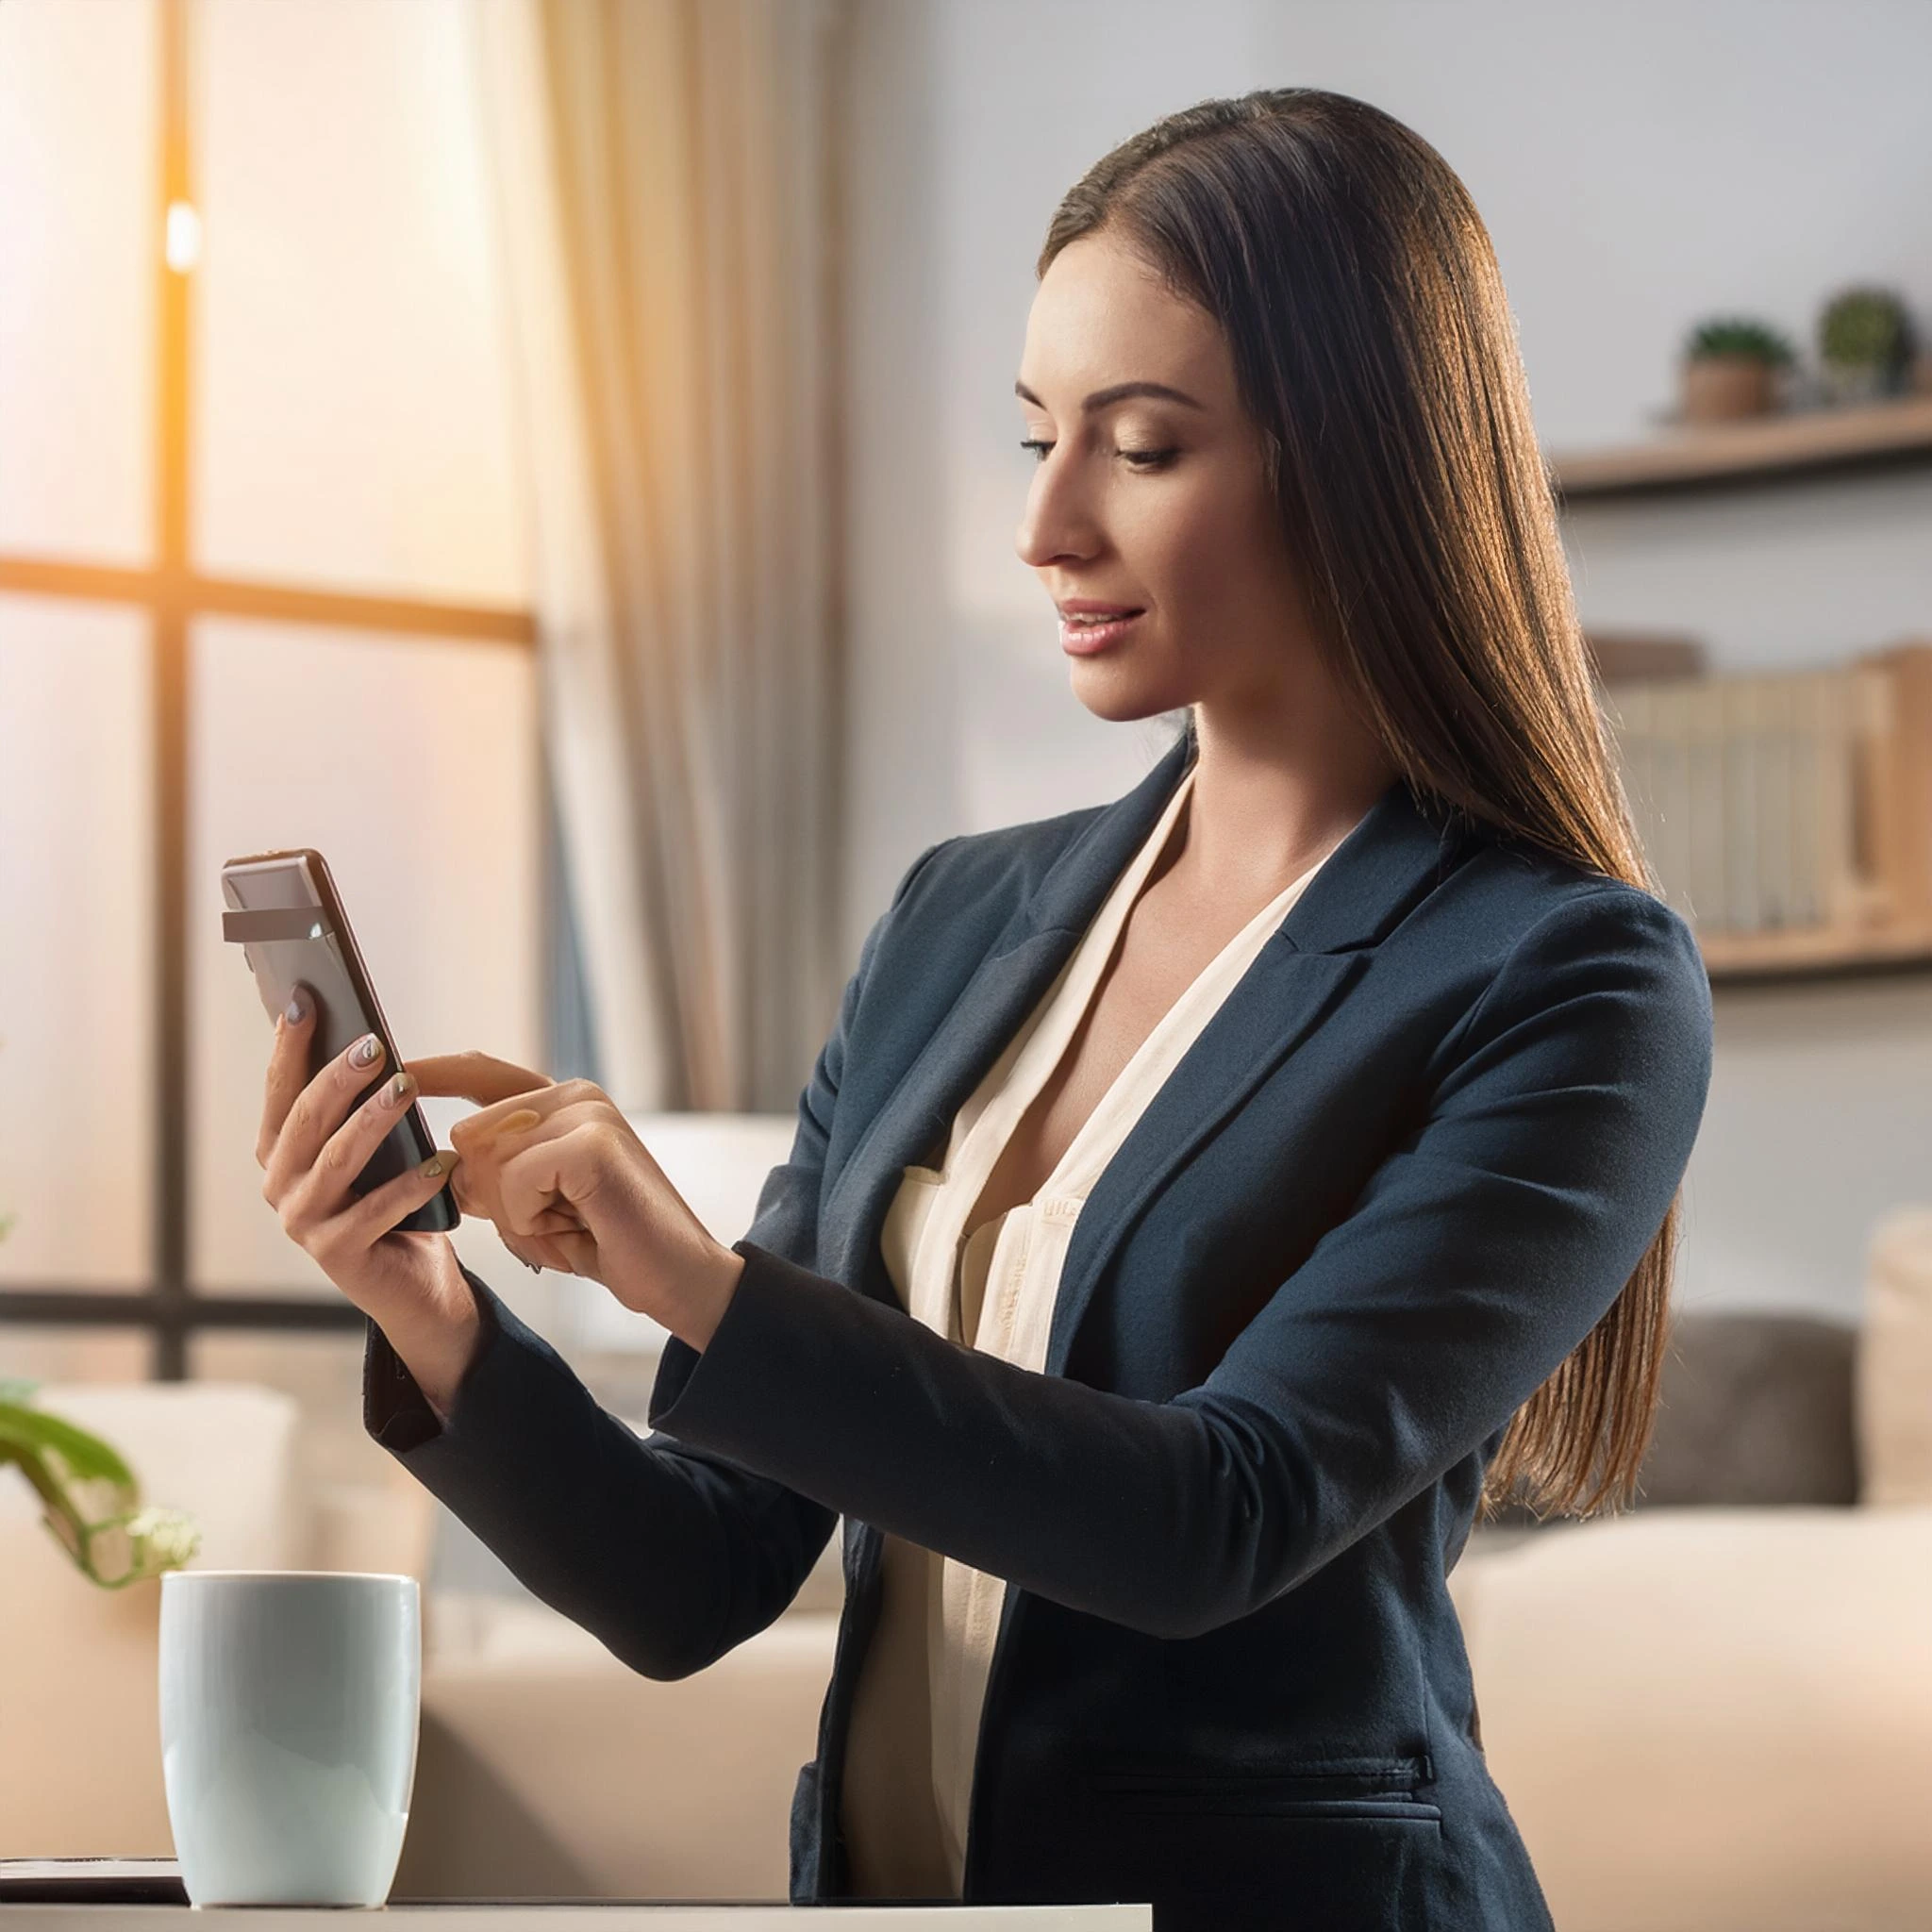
[89,1499]
[1730,369]
[1864,345]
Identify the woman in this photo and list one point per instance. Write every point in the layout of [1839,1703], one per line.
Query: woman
[1205,1203]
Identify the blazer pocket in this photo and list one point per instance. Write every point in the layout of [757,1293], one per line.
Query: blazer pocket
[1387,1789]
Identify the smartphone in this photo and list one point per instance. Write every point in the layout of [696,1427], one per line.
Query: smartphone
[284,912]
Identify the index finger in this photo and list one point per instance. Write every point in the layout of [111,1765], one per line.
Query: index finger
[478,1076]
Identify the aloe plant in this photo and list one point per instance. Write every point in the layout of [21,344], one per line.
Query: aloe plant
[89,1499]
[1739,335]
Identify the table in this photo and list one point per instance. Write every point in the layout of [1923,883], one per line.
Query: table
[579,1916]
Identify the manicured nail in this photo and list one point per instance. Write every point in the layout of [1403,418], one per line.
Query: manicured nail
[515,1122]
[366,1051]
[398,1090]
[438,1163]
[297,1009]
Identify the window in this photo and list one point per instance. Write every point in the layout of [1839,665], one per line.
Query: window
[263,582]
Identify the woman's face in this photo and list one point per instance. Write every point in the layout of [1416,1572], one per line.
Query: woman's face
[1150,502]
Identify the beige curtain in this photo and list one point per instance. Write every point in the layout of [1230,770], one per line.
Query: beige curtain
[664,180]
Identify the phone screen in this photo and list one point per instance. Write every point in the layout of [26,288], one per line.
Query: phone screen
[286,917]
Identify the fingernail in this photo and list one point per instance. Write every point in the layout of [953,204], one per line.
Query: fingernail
[438,1163]
[297,1009]
[515,1122]
[398,1090]
[366,1051]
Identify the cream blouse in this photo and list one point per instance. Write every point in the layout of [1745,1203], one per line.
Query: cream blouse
[916,1706]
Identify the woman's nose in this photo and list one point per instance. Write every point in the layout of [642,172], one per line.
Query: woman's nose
[1057,524]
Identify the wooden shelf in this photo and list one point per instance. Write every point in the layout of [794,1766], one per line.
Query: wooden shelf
[1760,448]
[1738,958]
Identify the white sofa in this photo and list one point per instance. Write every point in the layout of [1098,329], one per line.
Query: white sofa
[1704,1720]
[547,1769]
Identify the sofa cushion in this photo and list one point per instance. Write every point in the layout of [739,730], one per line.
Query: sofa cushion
[1894,1365]
[1753,1408]
[1713,1720]
[224,1452]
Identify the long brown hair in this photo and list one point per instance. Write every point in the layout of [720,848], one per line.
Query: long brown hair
[1374,350]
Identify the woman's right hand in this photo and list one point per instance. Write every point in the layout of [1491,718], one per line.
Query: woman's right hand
[312,1144]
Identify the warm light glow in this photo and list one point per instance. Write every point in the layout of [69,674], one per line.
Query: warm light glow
[184,237]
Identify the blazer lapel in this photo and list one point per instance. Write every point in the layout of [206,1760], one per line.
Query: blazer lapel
[1391,859]
[1281,998]
[1006,985]
[1388,861]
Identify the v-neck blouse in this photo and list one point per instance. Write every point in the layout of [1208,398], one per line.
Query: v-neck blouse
[912,1743]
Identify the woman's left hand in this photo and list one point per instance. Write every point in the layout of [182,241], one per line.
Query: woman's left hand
[558,1169]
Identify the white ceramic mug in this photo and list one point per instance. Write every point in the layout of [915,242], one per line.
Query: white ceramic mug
[290,1705]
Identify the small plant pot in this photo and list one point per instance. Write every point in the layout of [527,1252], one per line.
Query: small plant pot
[1724,388]
[1857,382]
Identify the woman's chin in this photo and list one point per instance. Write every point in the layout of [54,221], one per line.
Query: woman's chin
[1112,693]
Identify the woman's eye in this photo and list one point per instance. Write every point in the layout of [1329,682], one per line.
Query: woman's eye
[1138,458]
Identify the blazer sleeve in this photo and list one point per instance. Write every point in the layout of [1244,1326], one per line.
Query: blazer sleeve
[1479,1253]
[671,1553]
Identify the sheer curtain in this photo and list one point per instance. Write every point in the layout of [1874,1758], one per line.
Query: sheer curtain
[663,175]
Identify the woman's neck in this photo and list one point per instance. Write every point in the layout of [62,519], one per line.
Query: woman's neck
[1265,805]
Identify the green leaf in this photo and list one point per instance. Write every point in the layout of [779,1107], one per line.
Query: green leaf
[87,1455]
[91,1502]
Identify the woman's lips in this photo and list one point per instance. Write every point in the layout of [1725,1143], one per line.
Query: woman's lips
[1082,639]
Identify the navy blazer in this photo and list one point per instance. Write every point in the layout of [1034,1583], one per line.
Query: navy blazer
[1403,1172]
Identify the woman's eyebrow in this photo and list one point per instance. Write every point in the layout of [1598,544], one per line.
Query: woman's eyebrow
[1117,392]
